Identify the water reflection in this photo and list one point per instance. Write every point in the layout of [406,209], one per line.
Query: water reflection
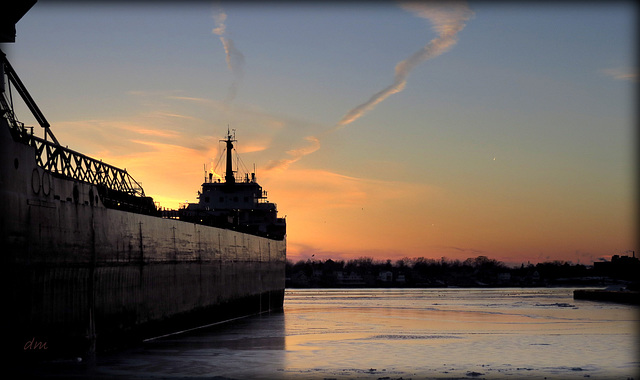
[455,333]
[424,333]
[252,347]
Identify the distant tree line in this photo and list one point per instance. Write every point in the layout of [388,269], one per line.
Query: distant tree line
[480,271]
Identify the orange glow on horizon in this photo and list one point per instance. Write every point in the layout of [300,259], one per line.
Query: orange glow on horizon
[332,215]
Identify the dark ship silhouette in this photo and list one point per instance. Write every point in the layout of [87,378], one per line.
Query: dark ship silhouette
[89,262]
[238,205]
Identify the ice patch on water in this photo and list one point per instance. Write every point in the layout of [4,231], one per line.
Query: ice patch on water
[409,337]
[557,304]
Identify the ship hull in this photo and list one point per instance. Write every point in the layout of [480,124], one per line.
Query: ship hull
[83,277]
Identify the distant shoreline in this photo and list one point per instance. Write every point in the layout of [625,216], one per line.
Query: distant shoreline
[567,286]
[479,272]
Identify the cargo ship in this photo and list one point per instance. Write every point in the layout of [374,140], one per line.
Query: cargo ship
[89,262]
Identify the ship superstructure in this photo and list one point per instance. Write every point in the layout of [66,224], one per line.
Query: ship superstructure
[239,205]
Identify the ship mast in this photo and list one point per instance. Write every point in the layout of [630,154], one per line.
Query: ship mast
[228,176]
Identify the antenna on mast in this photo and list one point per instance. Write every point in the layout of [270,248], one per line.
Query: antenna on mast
[229,177]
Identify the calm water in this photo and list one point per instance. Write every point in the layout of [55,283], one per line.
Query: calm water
[400,333]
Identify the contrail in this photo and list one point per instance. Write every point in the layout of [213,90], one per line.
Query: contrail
[235,59]
[295,154]
[448,19]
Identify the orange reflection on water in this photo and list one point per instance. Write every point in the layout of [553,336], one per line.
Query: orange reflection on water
[436,332]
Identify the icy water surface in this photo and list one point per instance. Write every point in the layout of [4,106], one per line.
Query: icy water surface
[401,333]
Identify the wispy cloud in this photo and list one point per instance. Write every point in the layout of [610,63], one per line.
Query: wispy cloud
[234,58]
[150,131]
[252,147]
[448,19]
[219,17]
[351,214]
[630,74]
[295,154]
[159,146]
[466,250]
[161,93]
[175,116]
[155,164]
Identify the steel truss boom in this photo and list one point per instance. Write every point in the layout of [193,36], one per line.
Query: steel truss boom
[26,97]
[52,156]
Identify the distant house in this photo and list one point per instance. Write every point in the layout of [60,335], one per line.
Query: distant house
[401,279]
[385,276]
[351,279]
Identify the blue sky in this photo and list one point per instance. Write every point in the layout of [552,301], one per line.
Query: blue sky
[516,143]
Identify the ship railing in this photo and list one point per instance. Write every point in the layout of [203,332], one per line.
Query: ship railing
[69,163]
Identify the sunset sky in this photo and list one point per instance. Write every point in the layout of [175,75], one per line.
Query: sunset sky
[380,129]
